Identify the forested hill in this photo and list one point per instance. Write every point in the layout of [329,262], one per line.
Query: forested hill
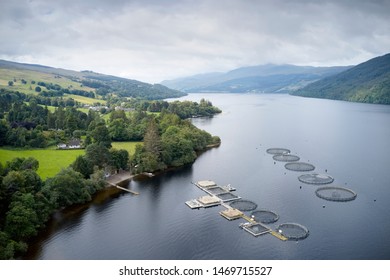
[261,78]
[24,78]
[367,82]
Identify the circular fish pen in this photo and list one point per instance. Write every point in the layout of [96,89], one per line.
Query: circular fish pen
[285,157]
[316,179]
[265,216]
[299,166]
[278,151]
[243,205]
[293,231]
[336,194]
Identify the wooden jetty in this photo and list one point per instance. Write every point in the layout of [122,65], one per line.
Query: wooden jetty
[123,189]
[278,235]
[118,178]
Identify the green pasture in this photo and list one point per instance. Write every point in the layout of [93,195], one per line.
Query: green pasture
[18,74]
[85,100]
[128,146]
[51,161]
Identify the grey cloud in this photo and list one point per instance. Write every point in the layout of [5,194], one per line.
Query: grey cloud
[155,40]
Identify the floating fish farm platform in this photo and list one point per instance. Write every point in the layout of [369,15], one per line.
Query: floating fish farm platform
[221,196]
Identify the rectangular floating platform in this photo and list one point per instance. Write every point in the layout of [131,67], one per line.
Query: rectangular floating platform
[194,204]
[231,214]
[206,184]
[256,229]
[209,201]
[219,195]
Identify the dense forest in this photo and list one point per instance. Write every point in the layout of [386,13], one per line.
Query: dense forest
[367,82]
[25,122]
[170,141]
[27,202]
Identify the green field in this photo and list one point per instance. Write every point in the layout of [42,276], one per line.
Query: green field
[18,74]
[128,146]
[50,161]
[85,100]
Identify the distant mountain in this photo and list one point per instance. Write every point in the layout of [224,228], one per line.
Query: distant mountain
[367,82]
[74,81]
[262,78]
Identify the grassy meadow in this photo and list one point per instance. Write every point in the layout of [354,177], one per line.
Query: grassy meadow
[7,75]
[18,74]
[128,146]
[85,100]
[51,161]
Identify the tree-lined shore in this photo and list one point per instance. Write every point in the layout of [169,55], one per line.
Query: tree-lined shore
[27,201]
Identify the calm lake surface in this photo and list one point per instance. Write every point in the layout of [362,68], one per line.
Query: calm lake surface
[349,140]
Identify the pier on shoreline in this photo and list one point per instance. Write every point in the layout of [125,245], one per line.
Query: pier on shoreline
[116,179]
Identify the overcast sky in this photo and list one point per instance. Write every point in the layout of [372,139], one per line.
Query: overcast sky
[163,39]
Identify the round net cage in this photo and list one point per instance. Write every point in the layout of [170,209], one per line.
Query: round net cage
[243,205]
[293,231]
[278,151]
[316,179]
[336,194]
[299,166]
[265,216]
[285,157]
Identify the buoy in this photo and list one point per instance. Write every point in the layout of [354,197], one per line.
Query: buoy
[323,206]
[374,200]
[300,187]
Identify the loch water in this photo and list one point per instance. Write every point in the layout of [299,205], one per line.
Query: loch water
[349,141]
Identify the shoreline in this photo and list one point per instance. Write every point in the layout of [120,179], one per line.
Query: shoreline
[212,146]
[170,168]
[119,178]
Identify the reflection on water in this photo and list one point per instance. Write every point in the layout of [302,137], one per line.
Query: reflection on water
[348,140]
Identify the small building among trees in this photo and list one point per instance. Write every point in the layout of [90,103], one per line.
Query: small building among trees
[74,143]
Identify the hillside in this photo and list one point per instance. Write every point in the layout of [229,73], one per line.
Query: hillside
[367,82]
[261,78]
[57,82]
